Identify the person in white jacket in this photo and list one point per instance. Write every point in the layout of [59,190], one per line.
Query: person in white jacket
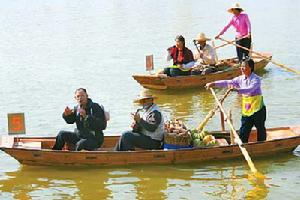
[205,57]
[206,54]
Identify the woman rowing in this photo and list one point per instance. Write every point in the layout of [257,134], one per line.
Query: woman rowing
[253,107]
[240,21]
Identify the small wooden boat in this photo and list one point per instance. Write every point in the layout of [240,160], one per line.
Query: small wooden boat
[226,69]
[37,150]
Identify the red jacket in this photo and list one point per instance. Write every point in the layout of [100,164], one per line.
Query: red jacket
[181,56]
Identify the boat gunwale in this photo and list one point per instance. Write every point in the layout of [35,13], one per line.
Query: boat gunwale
[199,75]
[148,151]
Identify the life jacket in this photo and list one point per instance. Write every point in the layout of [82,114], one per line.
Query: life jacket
[251,104]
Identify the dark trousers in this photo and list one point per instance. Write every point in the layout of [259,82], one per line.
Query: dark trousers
[74,139]
[129,140]
[258,120]
[176,72]
[242,53]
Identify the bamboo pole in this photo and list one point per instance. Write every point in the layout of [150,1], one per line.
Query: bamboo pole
[227,43]
[231,133]
[262,56]
[222,45]
[237,138]
[212,112]
[222,121]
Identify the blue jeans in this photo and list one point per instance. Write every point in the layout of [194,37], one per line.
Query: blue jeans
[129,140]
[258,120]
[74,139]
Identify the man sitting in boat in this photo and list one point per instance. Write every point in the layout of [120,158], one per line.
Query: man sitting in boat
[183,59]
[148,127]
[253,107]
[90,121]
[205,56]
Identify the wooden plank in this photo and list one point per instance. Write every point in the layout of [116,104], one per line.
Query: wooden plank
[193,81]
[289,139]
[148,157]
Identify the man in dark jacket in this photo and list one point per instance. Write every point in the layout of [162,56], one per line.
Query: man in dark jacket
[90,121]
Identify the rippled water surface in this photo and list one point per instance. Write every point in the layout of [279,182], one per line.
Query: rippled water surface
[50,48]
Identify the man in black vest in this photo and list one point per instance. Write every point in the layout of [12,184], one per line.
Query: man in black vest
[90,121]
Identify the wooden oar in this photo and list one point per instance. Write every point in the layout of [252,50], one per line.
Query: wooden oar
[227,43]
[222,45]
[215,47]
[262,56]
[212,111]
[237,138]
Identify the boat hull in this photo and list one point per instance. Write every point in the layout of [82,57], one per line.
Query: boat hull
[280,140]
[103,158]
[158,82]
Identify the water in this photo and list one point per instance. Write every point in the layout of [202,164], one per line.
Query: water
[50,48]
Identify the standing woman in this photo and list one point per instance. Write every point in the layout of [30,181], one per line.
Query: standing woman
[253,107]
[240,21]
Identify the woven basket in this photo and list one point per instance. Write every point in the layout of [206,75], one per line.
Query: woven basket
[179,140]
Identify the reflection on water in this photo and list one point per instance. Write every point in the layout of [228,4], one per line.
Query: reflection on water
[217,180]
[259,189]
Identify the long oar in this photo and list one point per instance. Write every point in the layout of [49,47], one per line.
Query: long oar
[262,56]
[215,47]
[222,45]
[227,43]
[237,138]
[212,111]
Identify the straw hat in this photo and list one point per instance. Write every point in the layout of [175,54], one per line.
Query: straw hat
[235,6]
[143,95]
[202,37]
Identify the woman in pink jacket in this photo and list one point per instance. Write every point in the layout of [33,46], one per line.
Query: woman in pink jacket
[240,21]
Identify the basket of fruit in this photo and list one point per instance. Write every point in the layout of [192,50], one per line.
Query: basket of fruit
[176,135]
[202,139]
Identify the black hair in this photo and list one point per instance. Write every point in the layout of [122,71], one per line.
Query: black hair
[238,9]
[181,39]
[250,63]
[78,89]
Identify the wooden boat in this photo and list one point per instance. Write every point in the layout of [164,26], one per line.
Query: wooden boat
[37,150]
[226,69]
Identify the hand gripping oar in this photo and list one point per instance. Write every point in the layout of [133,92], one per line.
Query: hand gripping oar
[262,56]
[237,138]
[196,45]
[213,111]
